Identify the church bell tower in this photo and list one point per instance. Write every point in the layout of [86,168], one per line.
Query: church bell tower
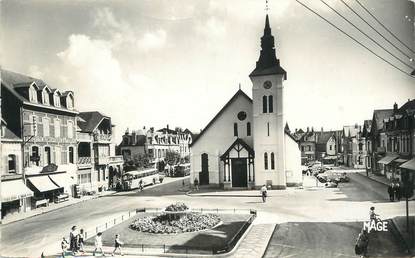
[268,115]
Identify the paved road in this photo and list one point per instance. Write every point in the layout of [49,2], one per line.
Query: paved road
[349,203]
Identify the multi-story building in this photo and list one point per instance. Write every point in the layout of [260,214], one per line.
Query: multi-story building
[307,144]
[156,143]
[377,138]
[44,119]
[398,129]
[98,167]
[353,146]
[365,137]
[15,196]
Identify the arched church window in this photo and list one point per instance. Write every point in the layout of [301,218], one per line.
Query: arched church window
[235,129]
[266,161]
[248,129]
[272,160]
[270,104]
[264,104]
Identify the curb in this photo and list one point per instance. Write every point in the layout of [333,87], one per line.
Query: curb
[44,212]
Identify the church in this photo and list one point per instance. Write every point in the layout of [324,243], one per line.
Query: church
[246,145]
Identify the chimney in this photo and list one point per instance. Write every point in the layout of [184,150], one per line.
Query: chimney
[312,129]
[395,107]
[152,129]
[308,129]
[167,126]
[296,130]
[144,128]
[321,129]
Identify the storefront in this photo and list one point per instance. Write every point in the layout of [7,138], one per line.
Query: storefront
[44,189]
[386,166]
[14,197]
[409,168]
[63,180]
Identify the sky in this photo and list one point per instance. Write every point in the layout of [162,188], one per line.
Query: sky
[177,62]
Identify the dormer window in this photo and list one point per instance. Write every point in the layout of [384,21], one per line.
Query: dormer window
[56,100]
[32,94]
[69,101]
[45,97]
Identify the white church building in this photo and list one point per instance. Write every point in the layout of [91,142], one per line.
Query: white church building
[246,145]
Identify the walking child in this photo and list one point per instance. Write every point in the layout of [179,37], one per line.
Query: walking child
[117,244]
[64,246]
[81,239]
[98,244]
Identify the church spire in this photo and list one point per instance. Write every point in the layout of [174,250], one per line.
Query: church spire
[268,62]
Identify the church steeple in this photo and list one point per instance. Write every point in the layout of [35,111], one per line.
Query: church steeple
[268,63]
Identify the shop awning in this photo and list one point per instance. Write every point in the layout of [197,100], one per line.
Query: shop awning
[43,183]
[400,160]
[14,190]
[388,159]
[62,179]
[409,164]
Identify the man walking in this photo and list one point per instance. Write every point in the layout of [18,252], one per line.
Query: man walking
[397,190]
[196,183]
[391,192]
[263,193]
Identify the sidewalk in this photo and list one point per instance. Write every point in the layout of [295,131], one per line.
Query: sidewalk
[51,207]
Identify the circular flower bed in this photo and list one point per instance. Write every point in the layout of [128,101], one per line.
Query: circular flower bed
[164,224]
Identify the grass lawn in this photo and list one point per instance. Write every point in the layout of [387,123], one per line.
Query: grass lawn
[216,238]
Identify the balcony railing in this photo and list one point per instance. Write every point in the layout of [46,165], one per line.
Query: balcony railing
[102,137]
[116,159]
[84,160]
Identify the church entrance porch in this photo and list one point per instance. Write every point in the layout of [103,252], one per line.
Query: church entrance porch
[239,172]
[238,166]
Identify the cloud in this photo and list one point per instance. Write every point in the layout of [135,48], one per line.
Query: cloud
[122,35]
[152,40]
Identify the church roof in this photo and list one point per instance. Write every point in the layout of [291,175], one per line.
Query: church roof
[268,63]
[235,97]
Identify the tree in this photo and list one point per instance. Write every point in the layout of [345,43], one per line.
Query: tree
[138,161]
[172,157]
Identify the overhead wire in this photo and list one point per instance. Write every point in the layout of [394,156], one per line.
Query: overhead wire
[381,24]
[373,28]
[352,38]
[364,33]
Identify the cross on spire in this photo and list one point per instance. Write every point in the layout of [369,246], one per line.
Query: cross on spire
[266,6]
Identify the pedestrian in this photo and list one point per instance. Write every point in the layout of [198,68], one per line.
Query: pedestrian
[391,192]
[361,243]
[398,191]
[372,215]
[64,246]
[81,240]
[73,240]
[117,244]
[196,183]
[141,185]
[98,244]
[263,192]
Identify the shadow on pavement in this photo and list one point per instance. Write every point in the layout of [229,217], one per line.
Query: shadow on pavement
[320,239]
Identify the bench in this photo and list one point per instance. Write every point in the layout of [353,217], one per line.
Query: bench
[61,198]
[41,202]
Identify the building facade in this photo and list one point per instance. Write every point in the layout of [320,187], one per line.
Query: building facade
[44,119]
[245,145]
[156,143]
[398,129]
[99,169]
